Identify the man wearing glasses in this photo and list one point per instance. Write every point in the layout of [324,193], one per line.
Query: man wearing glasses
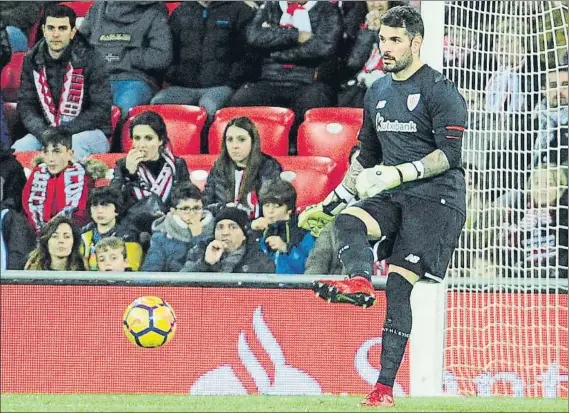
[175,233]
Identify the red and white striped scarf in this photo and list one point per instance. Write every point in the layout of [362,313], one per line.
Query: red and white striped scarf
[70,100]
[40,206]
[296,15]
[160,185]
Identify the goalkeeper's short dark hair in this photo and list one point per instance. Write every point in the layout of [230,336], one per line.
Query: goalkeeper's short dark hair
[278,191]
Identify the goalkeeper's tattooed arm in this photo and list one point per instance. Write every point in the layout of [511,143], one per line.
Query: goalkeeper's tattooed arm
[435,163]
[349,180]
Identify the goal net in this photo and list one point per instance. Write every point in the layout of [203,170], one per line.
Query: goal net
[506,312]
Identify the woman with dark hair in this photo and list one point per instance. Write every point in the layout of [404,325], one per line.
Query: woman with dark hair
[58,247]
[149,171]
[240,169]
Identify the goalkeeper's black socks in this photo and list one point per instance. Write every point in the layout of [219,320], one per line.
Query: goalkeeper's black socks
[397,327]
[354,251]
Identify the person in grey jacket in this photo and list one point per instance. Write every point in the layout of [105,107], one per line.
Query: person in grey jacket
[174,234]
[233,249]
[136,41]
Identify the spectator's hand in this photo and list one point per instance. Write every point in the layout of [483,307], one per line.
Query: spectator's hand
[260,224]
[304,37]
[133,158]
[276,243]
[214,251]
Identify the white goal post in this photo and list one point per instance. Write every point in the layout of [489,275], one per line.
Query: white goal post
[504,331]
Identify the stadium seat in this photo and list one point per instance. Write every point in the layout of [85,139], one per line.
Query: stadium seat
[26,159]
[115,117]
[81,9]
[342,115]
[184,124]
[273,123]
[172,5]
[197,164]
[313,163]
[10,80]
[311,186]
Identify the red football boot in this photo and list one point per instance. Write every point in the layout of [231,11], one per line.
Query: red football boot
[357,290]
[381,395]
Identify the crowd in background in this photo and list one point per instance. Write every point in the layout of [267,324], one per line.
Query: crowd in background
[299,55]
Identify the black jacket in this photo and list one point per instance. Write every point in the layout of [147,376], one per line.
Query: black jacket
[5,48]
[125,182]
[12,172]
[287,61]
[254,261]
[97,100]
[19,239]
[210,45]
[219,190]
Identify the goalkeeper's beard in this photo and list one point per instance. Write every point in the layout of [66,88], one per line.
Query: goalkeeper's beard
[396,66]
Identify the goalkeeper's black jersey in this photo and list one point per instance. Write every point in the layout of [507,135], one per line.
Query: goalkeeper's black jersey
[406,120]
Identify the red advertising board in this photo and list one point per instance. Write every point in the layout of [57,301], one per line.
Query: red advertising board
[64,339]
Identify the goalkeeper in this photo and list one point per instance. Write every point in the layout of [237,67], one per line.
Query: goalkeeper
[411,186]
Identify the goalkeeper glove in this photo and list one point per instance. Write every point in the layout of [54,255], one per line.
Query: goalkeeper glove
[316,217]
[372,181]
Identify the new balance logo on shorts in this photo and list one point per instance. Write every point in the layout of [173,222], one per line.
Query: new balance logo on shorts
[412,258]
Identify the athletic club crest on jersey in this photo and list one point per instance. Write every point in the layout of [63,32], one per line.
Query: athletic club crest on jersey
[413,101]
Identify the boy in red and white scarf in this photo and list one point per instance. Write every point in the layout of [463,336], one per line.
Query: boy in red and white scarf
[57,185]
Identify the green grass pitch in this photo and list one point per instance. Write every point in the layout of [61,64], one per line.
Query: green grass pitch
[177,403]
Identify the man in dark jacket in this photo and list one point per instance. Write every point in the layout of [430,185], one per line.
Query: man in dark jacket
[136,41]
[232,250]
[299,41]
[20,18]
[211,57]
[65,85]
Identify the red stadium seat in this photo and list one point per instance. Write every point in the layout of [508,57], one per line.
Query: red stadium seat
[311,186]
[26,159]
[273,123]
[184,124]
[10,80]
[109,159]
[115,117]
[342,115]
[199,167]
[81,8]
[332,133]
[172,5]
[313,163]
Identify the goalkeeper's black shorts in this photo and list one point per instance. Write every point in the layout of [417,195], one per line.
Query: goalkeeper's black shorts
[423,233]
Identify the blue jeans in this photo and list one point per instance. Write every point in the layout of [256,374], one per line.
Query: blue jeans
[84,143]
[130,93]
[18,39]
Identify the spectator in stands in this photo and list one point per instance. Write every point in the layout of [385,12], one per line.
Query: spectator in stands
[136,41]
[299,41]
[65,85]
[5,56]
[17,239]
[362,63]
[240,169]
[106,206]
[211,57]
[148,172]
[552,111]
[233,249]
[14,180]
[183,227]
[58,185]
[111,254]
[281,238]
[533,241]
[20,18]
[58,247]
